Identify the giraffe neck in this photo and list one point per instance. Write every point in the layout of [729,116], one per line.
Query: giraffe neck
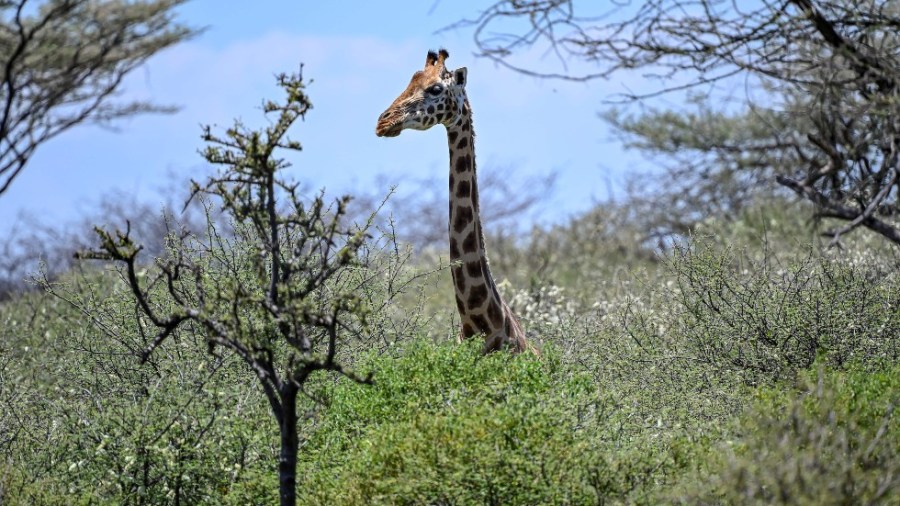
[481,309]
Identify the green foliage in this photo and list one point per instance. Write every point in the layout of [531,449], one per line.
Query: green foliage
[701,182]
[743,366]
[445,425]
[90,425]
[654,386]
[283,291]
[821,81]
[835,439]
[282,283]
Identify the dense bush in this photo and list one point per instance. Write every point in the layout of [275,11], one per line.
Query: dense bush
[835,439]
[89,424]
[759,372]
[767,317]
[444,425]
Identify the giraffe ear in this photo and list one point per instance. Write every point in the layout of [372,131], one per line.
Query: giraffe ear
[459,76]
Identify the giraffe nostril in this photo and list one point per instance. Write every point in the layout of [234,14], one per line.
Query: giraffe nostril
[383,116]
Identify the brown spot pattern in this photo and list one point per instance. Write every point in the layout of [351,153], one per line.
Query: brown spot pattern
[463,218]
[481,323]
[458,279]
[464,189]
[495,314]
[477,296]
[462,163]
[470,243]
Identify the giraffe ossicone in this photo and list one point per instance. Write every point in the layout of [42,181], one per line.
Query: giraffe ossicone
[437,95]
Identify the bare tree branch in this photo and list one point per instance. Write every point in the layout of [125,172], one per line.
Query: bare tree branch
[280,292]
[830,70]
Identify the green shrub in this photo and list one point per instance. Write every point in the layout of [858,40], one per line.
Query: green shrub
[834,440]
[89,425]
[675,382]
[445,425]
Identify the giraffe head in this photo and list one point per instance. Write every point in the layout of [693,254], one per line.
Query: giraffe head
[435,95]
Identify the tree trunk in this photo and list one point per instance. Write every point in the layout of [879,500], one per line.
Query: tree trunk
[287,464]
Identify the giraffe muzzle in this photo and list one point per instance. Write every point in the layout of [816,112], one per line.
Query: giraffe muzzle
[388,128]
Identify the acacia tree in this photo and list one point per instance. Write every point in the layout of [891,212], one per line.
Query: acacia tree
[279,290]
[826,129]
[62,63]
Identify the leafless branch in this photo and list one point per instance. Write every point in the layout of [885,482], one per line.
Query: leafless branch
[830,69]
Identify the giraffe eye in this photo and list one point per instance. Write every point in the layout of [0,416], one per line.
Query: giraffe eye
[435,90]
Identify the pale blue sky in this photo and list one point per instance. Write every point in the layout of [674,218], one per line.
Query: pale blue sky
[360,55]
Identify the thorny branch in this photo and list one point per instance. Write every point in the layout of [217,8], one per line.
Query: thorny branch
[280,287]
[303,248]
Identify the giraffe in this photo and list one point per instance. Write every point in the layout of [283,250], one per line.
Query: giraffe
[437,95]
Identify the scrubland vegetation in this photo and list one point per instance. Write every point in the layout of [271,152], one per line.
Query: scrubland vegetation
[707,373]
[744,364]
[720,340]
